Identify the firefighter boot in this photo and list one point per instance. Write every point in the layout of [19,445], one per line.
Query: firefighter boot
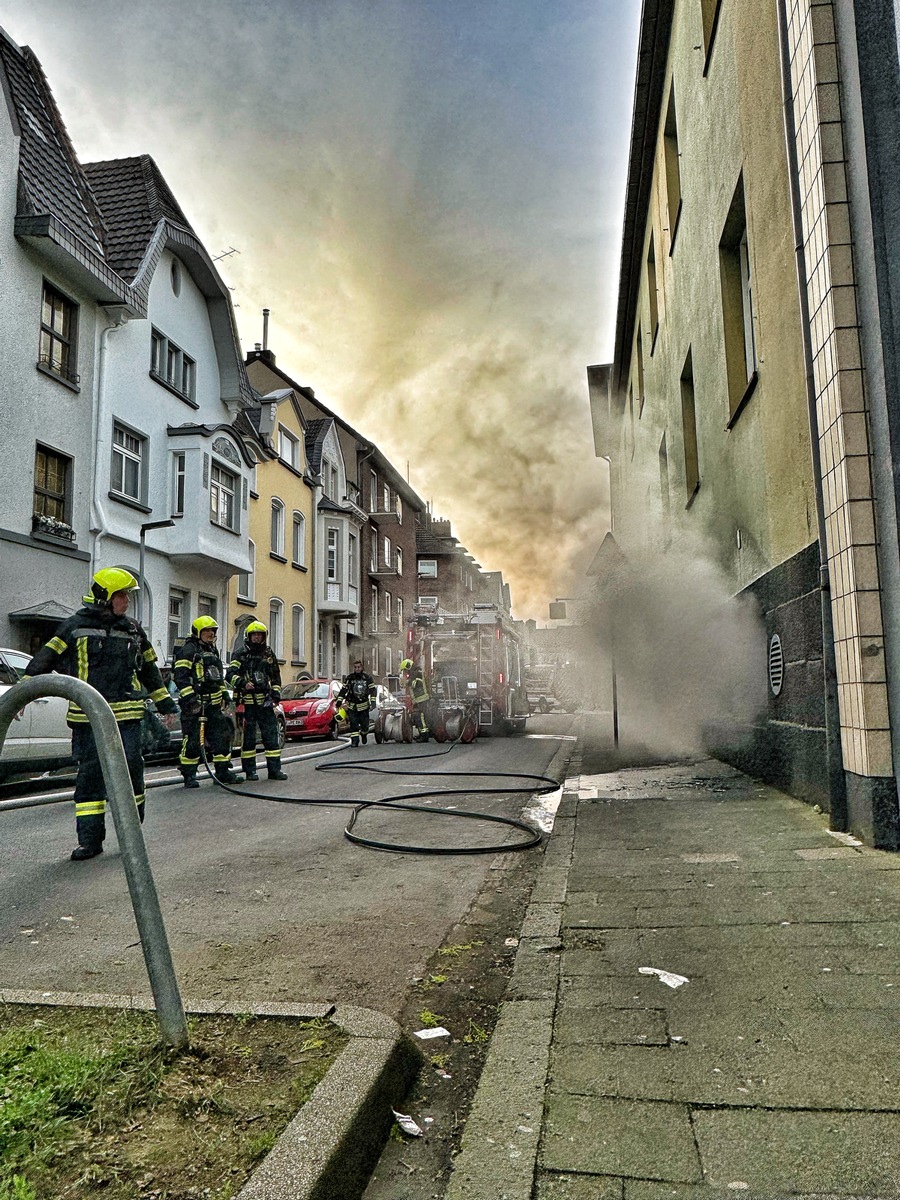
[248,766]
[224,773]
[274,768]
[80,853]
[190,777]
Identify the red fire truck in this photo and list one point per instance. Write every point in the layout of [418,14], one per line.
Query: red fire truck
[472,664]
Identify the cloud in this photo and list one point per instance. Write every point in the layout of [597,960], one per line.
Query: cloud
[426,193]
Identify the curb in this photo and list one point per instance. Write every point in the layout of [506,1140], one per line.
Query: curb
[329,1149]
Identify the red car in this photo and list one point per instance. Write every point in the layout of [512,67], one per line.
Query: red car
[309,708]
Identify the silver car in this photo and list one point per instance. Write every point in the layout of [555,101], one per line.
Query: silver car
[38,739]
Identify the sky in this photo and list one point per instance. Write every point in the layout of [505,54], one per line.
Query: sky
[427,195]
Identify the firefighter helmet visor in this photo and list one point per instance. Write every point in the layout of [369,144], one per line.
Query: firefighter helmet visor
[255,627]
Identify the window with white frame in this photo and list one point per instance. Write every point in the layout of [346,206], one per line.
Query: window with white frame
[246,582]
[373,550]
[59,334]
[320,650]
[129,463]
[388,607]
[223,485]
[298,634]
[387,553]
[179,476]
[298,540]
[373,606]
[386,497]
[388,660]
[289,448]
[399,561]
[276,627]
[177,622]
[375,660]
[400,612]
[373,492]
[276,543]
[428,568]
[170,365]
[353,558]
[332,561]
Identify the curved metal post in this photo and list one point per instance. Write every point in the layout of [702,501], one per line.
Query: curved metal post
[120,794]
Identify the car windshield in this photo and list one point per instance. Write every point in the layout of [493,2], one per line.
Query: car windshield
[306,689]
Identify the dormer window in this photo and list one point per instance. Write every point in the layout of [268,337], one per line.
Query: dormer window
[170,366]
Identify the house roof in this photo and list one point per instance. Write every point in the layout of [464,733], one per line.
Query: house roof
[316,432]
[427,543]
[51,179]
[134,198]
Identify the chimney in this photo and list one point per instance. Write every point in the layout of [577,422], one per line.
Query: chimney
[265,341]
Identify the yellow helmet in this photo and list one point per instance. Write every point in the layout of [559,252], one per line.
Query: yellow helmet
[107,582]
[201,623]
[255,627]
[406,664]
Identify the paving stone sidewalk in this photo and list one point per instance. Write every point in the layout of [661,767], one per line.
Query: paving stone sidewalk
[773,1072]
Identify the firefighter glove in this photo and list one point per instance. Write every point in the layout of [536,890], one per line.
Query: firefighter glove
[190,706]
[167,706]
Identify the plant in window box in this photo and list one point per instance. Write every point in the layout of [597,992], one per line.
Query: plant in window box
[52,526]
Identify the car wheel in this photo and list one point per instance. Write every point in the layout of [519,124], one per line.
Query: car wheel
[332,731]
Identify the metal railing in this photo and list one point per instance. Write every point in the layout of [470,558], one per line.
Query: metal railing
[120,796]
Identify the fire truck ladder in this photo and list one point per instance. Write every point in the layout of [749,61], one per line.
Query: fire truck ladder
[487,642]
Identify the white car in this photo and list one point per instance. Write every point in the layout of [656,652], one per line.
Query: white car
[38,739]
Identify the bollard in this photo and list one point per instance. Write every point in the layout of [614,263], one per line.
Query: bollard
[120,796]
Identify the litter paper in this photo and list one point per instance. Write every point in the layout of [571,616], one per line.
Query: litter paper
[667,977]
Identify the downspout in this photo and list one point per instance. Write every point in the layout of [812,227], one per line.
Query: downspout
[837,782]
[317,577]
[98,513]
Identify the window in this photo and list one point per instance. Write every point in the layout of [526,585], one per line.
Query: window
[373,606]
[428,601]
[388,660]
[388,607]
[222,490]
[59,334]
[276,627]
[51,485]
[373,550]
[375,660]
[276,544]
[288,448]
[178,613]
[175,277]
[298,540]
[428,568]
[652,294]
[128,463]
[673,168]
[737,305]
[400,612]
[689,427]
[206,606]
[333,481]
[399,561]
[298,634]
[320,651]
[387,553]
[386,498]
[246,585]
[353,557]
[373,492]
[179,469]
[332,556]
[170,365]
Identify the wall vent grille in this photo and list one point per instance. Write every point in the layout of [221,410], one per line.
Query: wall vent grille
[776,665]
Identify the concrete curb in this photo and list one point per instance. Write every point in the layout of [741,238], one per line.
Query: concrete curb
[329,1149]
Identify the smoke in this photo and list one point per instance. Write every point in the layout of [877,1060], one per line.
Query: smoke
[689,656]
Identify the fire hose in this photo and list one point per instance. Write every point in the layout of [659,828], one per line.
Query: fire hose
[402,802]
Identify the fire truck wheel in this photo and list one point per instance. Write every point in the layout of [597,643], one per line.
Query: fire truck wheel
[406,729]
[441,733]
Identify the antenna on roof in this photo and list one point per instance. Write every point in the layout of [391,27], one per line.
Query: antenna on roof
[226,253]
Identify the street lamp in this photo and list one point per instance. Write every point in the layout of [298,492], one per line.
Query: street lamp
[144,528]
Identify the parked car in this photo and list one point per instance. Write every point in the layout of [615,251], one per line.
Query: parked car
[310,708]
[38,739]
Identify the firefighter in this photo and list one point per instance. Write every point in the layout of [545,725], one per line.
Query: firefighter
[200,679]
[256,679]
[417,690]
[356,696]
[105,648]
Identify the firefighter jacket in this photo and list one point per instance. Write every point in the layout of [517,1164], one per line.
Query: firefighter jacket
[358,691]
[418,688]
[110,653]
[199,675]
[255,676]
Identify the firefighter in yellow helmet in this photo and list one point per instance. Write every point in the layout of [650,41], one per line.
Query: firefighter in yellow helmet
[200,679]
[256,678]
[417,690]
[107,649]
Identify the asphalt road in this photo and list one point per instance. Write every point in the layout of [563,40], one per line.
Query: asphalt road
[264,900]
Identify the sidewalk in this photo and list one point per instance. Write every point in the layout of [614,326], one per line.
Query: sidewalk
[773,1072]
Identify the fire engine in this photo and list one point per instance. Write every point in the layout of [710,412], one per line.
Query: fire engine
[472,664]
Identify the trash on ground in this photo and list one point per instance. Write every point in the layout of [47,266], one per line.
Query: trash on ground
[436,1032]
[511,942]
[667,977]
[407,1124]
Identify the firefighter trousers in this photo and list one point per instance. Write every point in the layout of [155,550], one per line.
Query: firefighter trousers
[359,723]
[90,789]
[219,734]
[260,724]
